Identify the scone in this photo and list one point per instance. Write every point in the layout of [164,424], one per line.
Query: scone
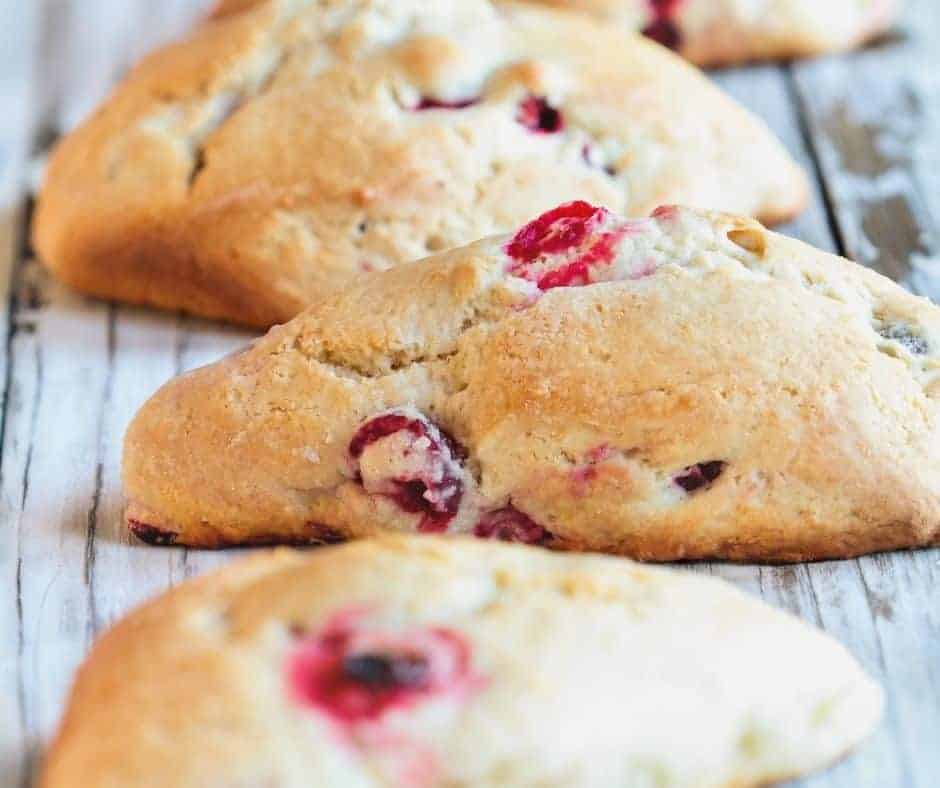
[686,386]
[447,662]
[716,32]
[283,152]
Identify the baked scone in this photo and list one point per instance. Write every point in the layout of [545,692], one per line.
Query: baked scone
[448,662]
[284,151]
[685,386]
[716,32]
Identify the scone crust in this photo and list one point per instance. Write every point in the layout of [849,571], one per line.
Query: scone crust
[733,31]
[277,153]
[192,689]
[776,365]
[723,32]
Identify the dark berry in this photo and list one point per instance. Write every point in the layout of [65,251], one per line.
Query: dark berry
[356,674]
[698,476]
[904,334]
[537,115]
[435,490]
[665,32]
[383,671]
[433,103]
[151,534]
[511,525]
[664,29]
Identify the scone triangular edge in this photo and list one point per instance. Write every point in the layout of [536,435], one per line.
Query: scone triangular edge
[686,386]
[462,664]
[278,154]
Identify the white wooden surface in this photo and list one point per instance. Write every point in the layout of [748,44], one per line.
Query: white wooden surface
[72,371]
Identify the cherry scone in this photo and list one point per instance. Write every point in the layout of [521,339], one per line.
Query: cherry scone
[683,386]
[717,32]
[282,152]
[424,662]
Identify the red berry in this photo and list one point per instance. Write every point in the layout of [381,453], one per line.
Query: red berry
[695,477]
[511,525]
[433,103]
[355,675]
[429,480]
[572,233]
[555,231]
[537,115]
[664,29]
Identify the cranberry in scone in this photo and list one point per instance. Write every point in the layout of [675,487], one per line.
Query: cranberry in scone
[572,245]
[402,455]
[664,28]
[511,525]
[355,674]
[427,102]
[539,116]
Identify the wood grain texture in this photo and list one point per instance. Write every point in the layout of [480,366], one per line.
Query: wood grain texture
[17,44]
[869,129]
[874,119]
[74,371]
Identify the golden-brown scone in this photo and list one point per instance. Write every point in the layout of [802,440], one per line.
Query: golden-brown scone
[716,32]
[284,151]
[445,662]
[228,7]
[687,386]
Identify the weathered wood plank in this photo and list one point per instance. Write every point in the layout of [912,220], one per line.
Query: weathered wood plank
[91,43]
[121,571]
[76,372]
[13,743]
[82,369]
[838,596]
[767,91]
[125,571]
[56,358]
[875,120]
[899,592]
[875,116]
[17,42]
